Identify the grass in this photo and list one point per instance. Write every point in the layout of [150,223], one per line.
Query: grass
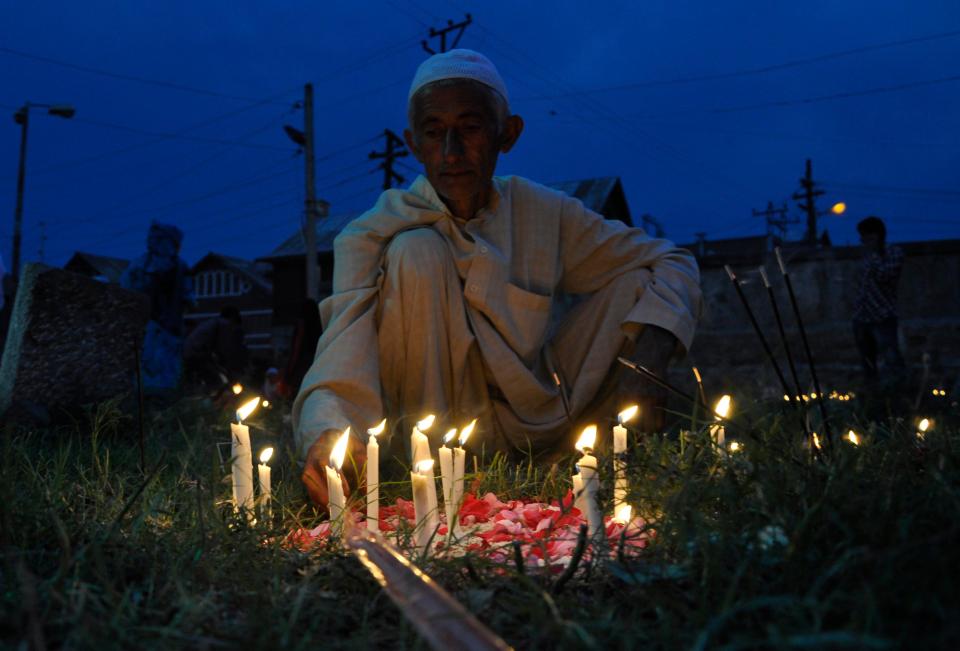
[760,549]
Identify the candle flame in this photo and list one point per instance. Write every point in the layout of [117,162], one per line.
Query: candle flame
[588,438]
[816,441]
[378,430]
[467,431]
[853,437]
[696,374]
[786,398]
[265,403]
[450,435]
[426,423]
[722,408]
[237,389]
[265,455]
[924,425]
[624,514]
[735,446]
[247,408]
[627,414]
[423,467]
[340,449]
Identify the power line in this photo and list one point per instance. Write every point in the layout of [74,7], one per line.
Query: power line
[758,70]
[126,77]
[809,100]
[890,188]
[176,136]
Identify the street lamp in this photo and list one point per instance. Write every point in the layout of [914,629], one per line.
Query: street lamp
[22,117]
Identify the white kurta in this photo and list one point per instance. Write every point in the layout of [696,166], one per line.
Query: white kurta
[507,267]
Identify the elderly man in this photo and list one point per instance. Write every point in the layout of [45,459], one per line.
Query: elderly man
[448,295]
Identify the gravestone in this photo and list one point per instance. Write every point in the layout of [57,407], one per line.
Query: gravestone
[70,343]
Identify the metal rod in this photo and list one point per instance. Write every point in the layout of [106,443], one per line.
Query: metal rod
[656,379]
[806,345]
[440,619]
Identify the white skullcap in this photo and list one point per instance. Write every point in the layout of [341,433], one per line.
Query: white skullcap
[458,64]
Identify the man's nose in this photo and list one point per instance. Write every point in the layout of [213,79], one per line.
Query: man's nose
[452,145]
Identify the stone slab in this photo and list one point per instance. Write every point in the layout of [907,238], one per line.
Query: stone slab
[70,343]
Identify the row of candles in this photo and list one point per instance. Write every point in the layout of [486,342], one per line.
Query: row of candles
[585,482]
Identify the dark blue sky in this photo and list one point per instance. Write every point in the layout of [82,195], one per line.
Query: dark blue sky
[605,89]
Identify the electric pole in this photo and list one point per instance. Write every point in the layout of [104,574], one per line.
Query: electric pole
[43,240]
[808,194]
[312,207]
[776,218]
[391,151]
[442,33]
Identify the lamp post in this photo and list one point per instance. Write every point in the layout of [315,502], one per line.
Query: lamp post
[22,117]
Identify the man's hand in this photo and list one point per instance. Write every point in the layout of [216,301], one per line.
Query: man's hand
[652,349]
[314,475]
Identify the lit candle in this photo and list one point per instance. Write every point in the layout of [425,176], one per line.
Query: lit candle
[722,410]
[620,455]
[459,458]
[922,428]
[266,490]
[336,502]
[590,478]
[446,478]
[237,389]
[373,476]
[243,459]
[853,437]
[419,443]
[578,491]
[424,500]
[623,514]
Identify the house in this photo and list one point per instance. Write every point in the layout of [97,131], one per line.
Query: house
[98,267]
[221,280]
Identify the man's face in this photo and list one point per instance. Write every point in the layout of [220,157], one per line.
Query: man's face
[456,137]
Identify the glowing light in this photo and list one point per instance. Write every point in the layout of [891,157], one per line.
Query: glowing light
[426,423]
[735,446]
[467,431]
[265,404]
[627,414]
[423,467]
[813,395]
[378,430]
[624,514]
[340,450]
[922,427]
[838,208]
[816,441]
[247,408]
[786,398]
[237,389]
[450,435]
[722,408]
[588,438]
[853,437]
[265,455]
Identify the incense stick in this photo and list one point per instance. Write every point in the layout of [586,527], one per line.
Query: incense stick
[806,345]
[757,329]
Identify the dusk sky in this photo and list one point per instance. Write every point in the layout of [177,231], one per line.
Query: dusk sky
[705,110]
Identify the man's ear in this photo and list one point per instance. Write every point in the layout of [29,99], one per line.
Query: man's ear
[511,133]
[412,144]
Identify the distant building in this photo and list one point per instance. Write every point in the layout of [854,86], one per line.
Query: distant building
[98,267]
[221,280]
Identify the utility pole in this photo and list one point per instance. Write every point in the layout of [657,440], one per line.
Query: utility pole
[442,33]
[392,150]
[776,218]
[808,194]
[651,223]
[310,236]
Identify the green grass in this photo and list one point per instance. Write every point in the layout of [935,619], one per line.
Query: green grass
[95,554]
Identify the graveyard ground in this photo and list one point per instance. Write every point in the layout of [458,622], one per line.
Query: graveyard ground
[761,549]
